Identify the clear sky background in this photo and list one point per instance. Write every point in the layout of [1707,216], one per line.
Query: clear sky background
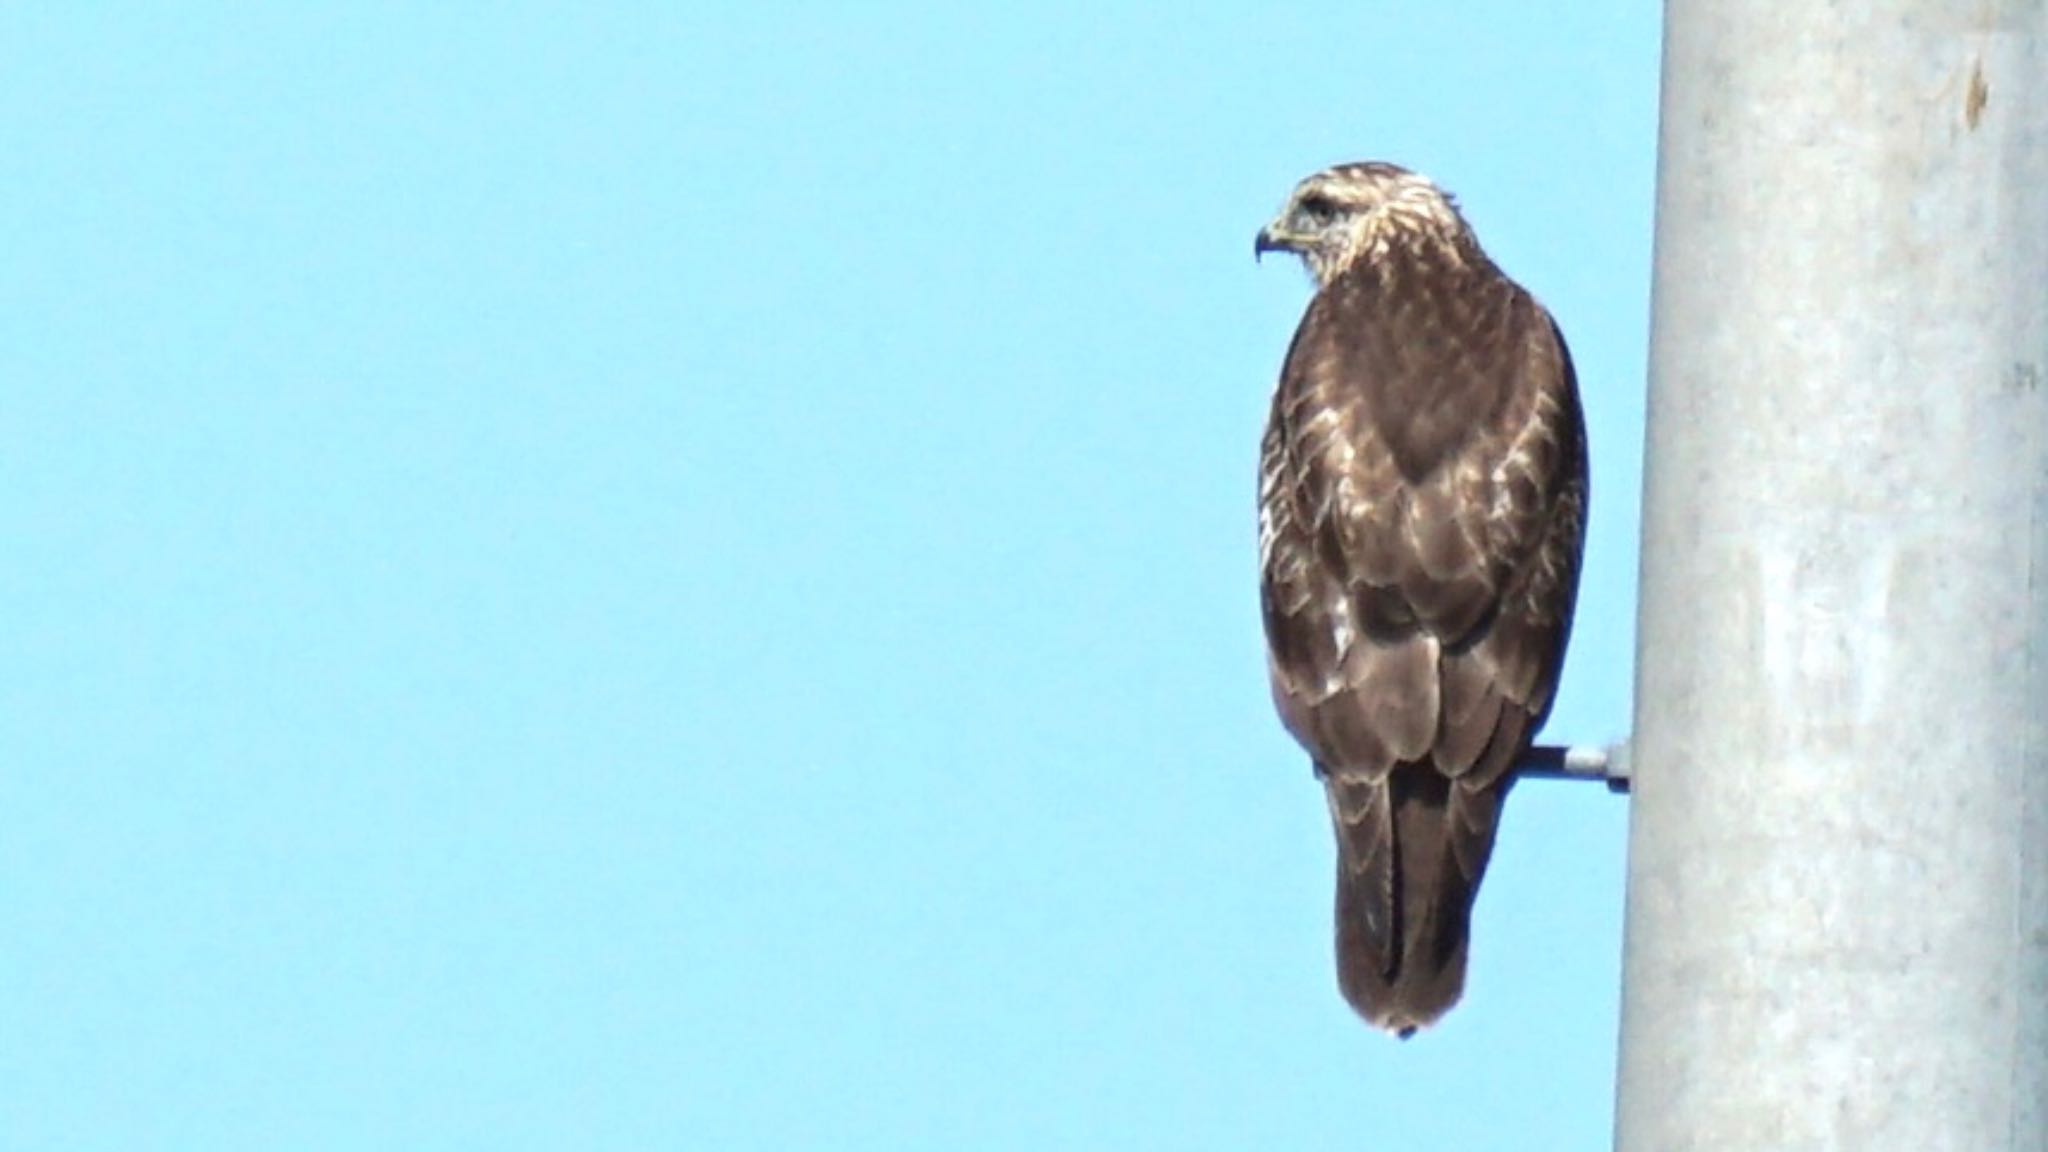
[621,577]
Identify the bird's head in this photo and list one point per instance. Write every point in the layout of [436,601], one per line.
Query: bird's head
[1359,210]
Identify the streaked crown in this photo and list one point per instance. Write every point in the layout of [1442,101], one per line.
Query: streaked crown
[1349,211]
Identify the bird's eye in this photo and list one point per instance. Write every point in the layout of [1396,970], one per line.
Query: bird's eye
[1318,207]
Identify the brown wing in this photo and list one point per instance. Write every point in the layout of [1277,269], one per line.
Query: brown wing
[1422,498]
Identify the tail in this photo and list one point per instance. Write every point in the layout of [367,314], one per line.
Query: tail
[1411,848]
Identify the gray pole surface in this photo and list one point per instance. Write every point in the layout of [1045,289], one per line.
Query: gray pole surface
[1837,932]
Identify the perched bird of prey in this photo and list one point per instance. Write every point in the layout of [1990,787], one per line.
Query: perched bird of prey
[1422,503]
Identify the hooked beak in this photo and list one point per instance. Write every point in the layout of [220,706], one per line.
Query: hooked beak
[1274,239]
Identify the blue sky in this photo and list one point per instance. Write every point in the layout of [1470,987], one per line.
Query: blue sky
[682,576]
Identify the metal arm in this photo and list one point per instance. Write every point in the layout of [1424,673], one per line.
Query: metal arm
[1606,762]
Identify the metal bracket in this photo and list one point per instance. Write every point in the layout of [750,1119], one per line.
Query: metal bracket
[1605,762]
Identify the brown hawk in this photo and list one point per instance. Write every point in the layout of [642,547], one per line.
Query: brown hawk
[1422,504]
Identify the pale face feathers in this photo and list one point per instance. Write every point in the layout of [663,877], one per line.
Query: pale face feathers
[1354,211]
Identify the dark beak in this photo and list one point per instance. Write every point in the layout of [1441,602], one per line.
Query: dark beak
[1277,237]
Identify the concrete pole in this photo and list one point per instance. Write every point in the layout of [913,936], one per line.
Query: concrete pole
[1838,853]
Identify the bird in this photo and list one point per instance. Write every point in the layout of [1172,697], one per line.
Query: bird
[1422,497]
